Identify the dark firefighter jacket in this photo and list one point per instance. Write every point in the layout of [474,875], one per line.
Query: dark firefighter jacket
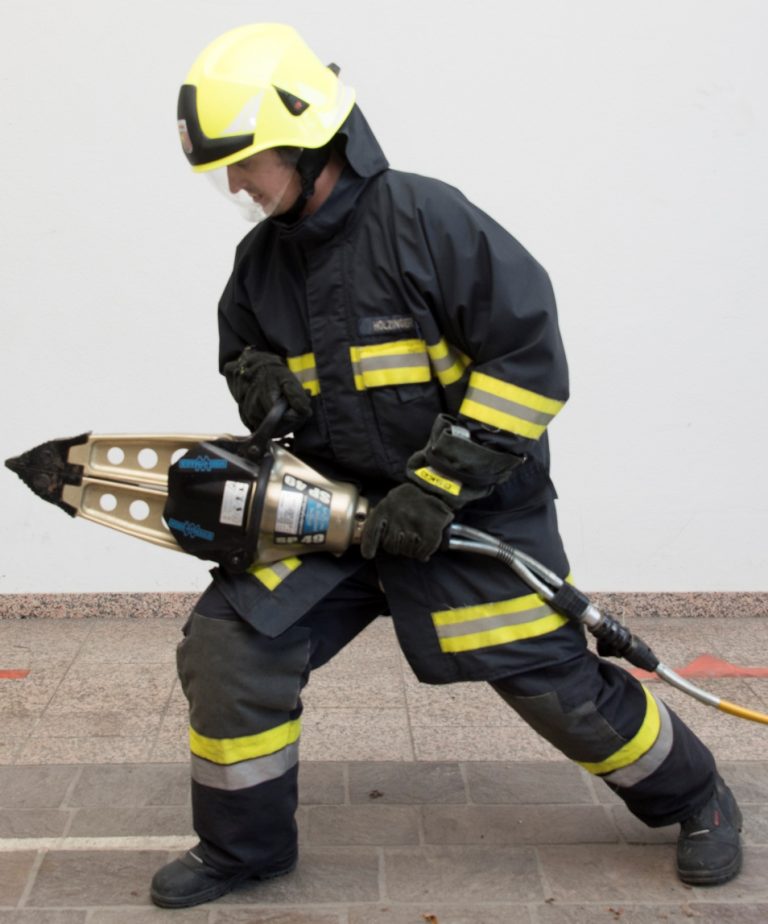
[396,301]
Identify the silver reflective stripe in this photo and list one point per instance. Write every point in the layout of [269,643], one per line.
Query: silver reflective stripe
[247,772]
[653,758]
[446,363]
[281,570]
[397,361]
[493,622]
[305,375]
[507,406]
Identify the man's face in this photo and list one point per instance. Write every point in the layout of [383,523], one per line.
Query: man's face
[267,179]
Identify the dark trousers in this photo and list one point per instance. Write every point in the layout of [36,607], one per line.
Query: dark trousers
[245,707]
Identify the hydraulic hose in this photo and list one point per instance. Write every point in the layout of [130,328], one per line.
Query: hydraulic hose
[77,474]
[613,638]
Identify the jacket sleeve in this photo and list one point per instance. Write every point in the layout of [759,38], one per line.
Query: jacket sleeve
[238,327]
[497,302]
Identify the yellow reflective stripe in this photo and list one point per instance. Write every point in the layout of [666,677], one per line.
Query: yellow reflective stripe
[484,625]
[634,749]
[398,376]
[305,370]
[514,393]
[397,362]
[508,407]
[439,481]
[448,362]
[273,575]
[301,363]
[503,635]
[233,750]
[501,421]
[389,348]
[483,610]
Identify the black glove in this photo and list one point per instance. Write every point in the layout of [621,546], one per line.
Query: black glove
[455,468]
[257,380]
[408,521]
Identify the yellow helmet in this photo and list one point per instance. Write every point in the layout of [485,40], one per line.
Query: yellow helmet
[258,87]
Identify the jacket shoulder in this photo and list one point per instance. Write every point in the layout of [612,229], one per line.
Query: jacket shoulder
[423,191]
[447,217]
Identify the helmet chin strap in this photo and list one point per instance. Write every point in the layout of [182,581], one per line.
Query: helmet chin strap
[309,166]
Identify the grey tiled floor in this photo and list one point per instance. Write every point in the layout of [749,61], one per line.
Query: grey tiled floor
[417,803]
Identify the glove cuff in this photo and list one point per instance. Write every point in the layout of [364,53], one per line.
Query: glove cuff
[457,469]
[257,380]
[241,372]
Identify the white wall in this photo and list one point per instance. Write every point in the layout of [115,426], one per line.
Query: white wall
[623,143]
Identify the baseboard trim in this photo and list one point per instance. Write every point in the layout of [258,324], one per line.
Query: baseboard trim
[167,605]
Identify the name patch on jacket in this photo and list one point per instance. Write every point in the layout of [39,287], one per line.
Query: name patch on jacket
[392,325]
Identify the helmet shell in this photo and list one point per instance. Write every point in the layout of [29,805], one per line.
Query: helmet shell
[257,87]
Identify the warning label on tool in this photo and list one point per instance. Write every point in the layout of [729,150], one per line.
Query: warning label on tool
[303,513]
[233,503]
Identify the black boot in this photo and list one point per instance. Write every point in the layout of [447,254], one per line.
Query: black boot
[709,846]
[190,881]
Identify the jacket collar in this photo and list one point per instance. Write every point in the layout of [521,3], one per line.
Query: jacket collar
[365,159]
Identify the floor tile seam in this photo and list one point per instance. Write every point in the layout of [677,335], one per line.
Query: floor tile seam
[748,763]
[64,804]
[464,774]
[217,915]
[591,783]
[640,903]
[381,874]
[63,677]
[23,742]
[441,906]
[31,877]
[163,714]
[752,685]
[421,826]
[608,813]
[404,687]
[546,886]
[346,785]
[30,735]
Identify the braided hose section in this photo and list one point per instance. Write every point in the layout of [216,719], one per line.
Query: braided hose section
[571,602]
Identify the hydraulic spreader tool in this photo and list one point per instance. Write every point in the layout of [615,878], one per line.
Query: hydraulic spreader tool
[241,501]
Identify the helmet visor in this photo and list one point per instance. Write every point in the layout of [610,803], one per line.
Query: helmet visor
[261,185]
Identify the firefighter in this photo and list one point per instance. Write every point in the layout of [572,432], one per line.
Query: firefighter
[416,344]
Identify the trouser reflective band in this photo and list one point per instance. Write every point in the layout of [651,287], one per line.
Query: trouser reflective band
[643,754]
[471,627]
[650,762]
[237,763]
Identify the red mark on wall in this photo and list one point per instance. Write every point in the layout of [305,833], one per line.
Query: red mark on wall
[13,674]
[708,667]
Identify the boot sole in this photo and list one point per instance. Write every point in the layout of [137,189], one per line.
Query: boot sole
[711,877]
[216,889]
[210,893]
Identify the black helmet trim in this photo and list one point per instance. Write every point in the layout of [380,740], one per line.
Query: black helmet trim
[294,104]
[198,147]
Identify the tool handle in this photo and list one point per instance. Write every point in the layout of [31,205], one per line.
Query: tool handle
[257,443]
